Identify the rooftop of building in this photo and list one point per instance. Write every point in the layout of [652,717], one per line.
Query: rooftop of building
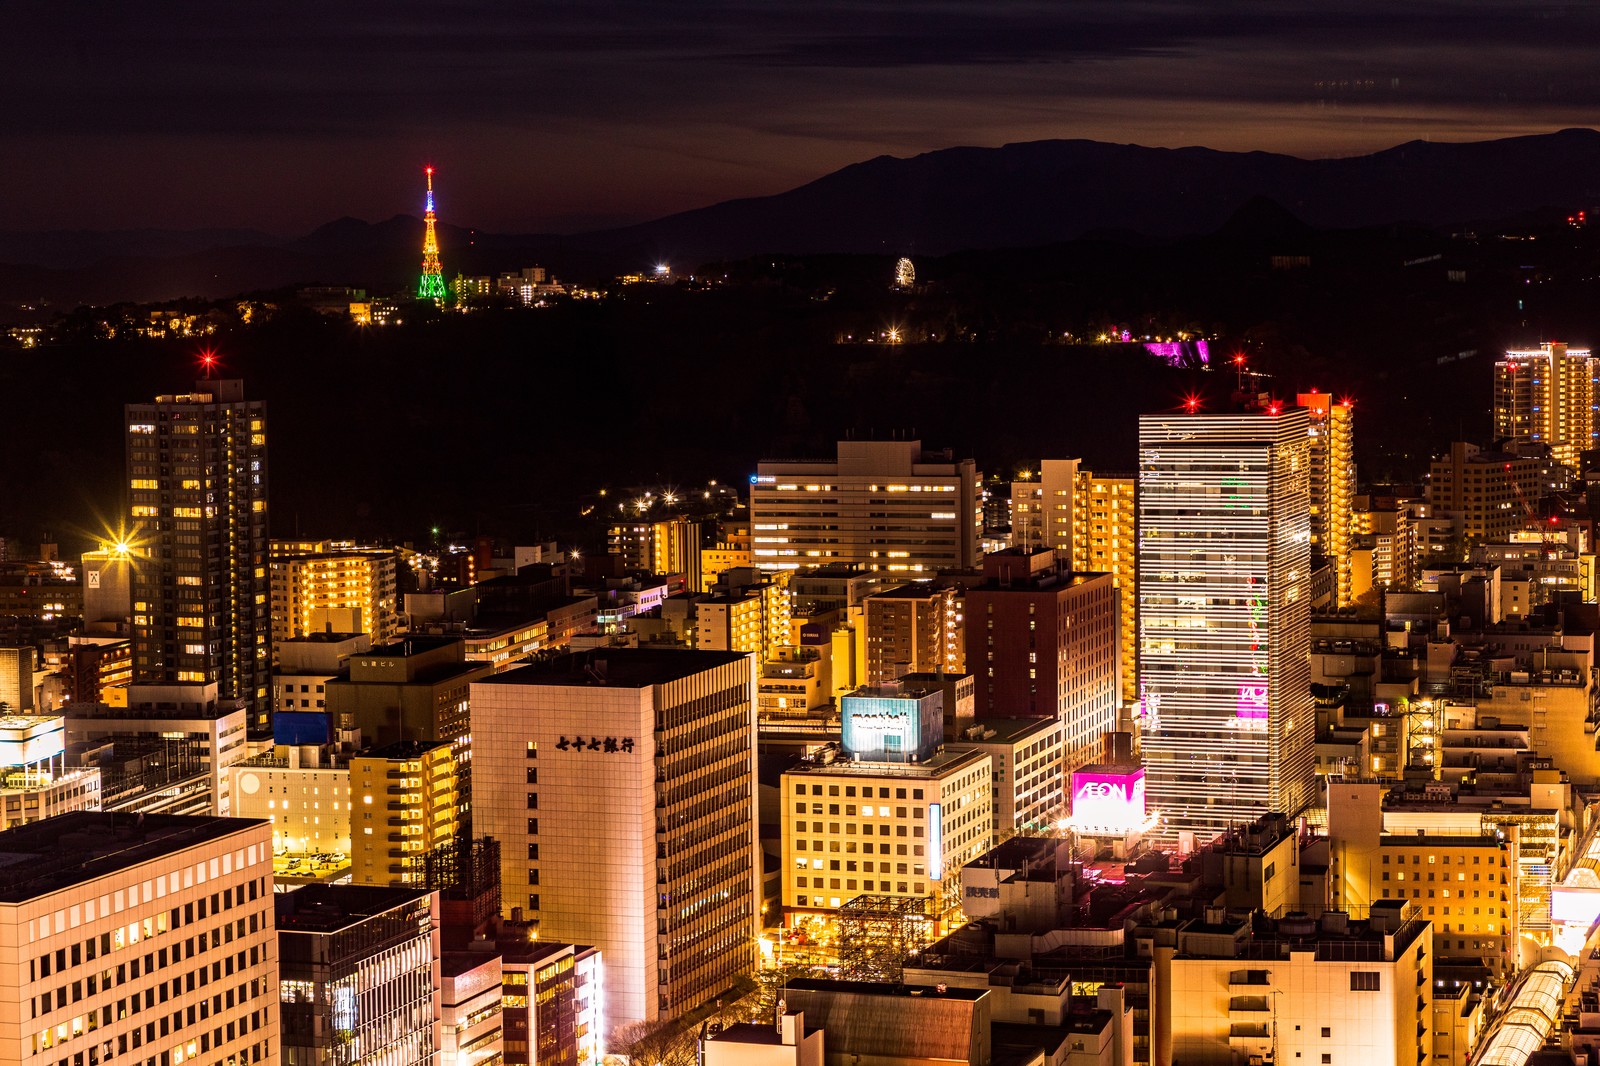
[892,690]
[885,990]
[1016,852]
[939,765]
[1005,730]
[456,963]
[1438,840]
[320,638]
[409,646]
[320,908]
[69,849]
[916,590]
[753,1033]
[617,668]
[401,750]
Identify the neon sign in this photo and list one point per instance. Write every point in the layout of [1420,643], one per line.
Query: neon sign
[1108,800]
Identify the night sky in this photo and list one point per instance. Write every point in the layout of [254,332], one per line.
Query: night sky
[547,116]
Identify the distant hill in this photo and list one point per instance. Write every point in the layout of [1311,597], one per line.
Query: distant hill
[1019,195]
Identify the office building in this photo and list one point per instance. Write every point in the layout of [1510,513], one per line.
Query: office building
[1332,485]
[1224,617]
[1549,396]
[332,590]
[620,785]
[168,750]
[471,1011]
[913,629]
[1026,758]
[303,792]
[88,895]
[358,975]
[554,1002]
[883,505]
[931,810]
[197,470]
[1042,642]
[414,689]
[403,804]
[670,546]
[35,782]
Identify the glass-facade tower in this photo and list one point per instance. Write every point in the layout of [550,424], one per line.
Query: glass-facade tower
[1224,617]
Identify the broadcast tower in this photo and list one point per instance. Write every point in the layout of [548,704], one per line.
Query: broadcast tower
[431,285]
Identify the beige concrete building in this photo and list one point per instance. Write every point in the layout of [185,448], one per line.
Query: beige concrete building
[307,803]
[403,804]
[620,784]
[1026,771]
[924,822]
[96,913]
[884,505]
[1333,991]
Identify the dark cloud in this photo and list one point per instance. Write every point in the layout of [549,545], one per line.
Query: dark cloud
[553,114]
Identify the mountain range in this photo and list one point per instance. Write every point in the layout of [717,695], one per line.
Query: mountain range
[1020,195]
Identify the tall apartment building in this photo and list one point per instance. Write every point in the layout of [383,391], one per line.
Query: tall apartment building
[334,591]
[620,784]
[1333,485]
[138,940]
[670,546]
[1549,395]
[1042,506]
[913,629]
[359,975]
[1042,642]
[197,475]
[1492,492]
[1224,617]
[1105,541]
[883,505]
[402,805]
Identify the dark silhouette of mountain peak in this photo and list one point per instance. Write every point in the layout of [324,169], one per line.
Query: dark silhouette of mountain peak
[1264,219]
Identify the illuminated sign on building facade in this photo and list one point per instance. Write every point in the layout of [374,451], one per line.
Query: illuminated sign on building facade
[1108,799]
[892,728]
[936,841]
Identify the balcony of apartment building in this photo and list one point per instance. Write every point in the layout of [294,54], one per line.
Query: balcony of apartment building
[1484,746]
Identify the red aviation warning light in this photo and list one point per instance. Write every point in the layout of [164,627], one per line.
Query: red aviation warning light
[208,361]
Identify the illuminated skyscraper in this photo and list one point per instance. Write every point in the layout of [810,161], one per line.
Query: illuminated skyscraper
[197,470]
[431,285]
[1548,396]
[1224,616]
[1333,485]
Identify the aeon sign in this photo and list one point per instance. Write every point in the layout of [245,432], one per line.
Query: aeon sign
[1108,800]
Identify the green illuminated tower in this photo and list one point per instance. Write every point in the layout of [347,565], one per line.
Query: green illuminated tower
[431,285]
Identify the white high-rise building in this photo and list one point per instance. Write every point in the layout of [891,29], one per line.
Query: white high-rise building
[882,505]
[1224,617]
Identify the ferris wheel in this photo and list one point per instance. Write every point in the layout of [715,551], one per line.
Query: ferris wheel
[905,275]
